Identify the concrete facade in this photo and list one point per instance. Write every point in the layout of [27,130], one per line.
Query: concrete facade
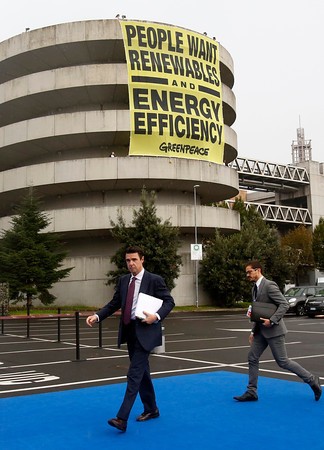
[313,196]
[63,109]
[315,190]
[310,196]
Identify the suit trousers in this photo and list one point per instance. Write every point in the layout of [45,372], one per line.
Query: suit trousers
[277,345]
[138,376]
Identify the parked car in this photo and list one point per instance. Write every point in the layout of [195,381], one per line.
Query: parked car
[297,296]
[314,305]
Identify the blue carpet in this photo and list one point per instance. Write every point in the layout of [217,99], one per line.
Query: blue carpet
[197,412]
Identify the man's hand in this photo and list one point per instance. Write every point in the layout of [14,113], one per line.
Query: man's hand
[90,320]
[266,322]
[149,318]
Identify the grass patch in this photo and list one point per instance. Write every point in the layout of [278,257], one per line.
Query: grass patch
[21,311]
[240,305]
[16,311]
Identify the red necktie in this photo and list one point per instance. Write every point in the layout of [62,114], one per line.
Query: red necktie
[129,302]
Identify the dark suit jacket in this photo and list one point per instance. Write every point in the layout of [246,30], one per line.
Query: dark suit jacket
[149,336]
[269,292]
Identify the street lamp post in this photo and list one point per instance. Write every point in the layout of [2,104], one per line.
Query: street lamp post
[196,240]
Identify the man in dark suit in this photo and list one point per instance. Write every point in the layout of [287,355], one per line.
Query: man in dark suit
[271,332]
[141,336]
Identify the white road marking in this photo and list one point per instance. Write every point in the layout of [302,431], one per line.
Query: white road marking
[27,377]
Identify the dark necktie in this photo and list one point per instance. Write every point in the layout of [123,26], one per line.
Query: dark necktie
[255,292]
[129,302]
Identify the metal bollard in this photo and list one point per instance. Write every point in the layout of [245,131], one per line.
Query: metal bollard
[2,321]
[28,322]
[100,334]
[2,326]
[58,325]
[77,335]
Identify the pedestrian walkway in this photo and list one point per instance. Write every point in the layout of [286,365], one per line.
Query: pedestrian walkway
[197,412]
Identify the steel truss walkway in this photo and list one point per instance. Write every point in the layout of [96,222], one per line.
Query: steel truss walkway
[277,213]
[264,176]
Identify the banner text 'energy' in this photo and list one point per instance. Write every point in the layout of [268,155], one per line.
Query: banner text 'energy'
[174,91]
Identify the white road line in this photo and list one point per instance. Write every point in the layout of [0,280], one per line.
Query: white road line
[199,340]
[213,319]
[305,332]
[219,348]
[82,337]
[208,349]
[84,346]
[307,356]
[22,342]
[245,363]
[50,363]
[232,330]
[279,372]
[246,330]
[166,356]
[37,350]
[54,386]
[189,369]
[102,380]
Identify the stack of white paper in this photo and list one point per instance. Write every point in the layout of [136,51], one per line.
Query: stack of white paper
[147,303]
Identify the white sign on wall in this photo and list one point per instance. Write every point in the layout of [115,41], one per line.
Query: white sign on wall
[196,252]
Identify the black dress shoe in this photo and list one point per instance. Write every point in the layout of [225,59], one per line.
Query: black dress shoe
[317,389]
[148,415]
[118,423]
[246,397]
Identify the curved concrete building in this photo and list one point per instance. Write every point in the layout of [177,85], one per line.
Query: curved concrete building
[64,108]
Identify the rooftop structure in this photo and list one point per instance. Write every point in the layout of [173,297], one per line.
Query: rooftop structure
[301,149]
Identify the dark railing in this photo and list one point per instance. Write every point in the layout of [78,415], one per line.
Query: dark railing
[58,317]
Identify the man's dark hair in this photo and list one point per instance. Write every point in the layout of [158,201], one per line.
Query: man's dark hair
[255,265]
[135,249]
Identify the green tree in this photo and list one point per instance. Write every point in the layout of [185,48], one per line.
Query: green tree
[318,244]
[30,261]
[222,271]
[160,242]
[298,248]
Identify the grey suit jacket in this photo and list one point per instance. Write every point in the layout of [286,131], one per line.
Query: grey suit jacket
[269,292]
[150,336]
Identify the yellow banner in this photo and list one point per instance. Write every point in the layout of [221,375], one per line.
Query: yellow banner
[174,92]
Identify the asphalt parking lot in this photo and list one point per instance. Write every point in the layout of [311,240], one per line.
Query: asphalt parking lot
[195,342]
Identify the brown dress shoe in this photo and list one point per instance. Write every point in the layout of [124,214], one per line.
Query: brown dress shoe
[148,415]
[118,423]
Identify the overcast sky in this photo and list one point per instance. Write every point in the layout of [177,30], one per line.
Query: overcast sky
[277,47]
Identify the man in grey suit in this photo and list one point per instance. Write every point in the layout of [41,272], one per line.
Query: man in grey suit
[141,335]
[271,332]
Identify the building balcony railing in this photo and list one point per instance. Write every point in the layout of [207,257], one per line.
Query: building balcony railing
[279,213]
